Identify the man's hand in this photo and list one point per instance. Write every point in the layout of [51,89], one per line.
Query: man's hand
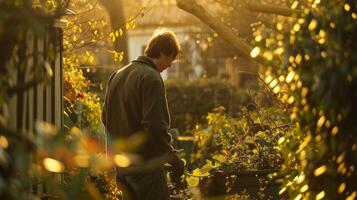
[177,170]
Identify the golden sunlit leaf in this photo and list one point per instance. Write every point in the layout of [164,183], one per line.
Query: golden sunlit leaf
[304,188]
[296,27]
[298,197]
[279,26]
[282,190]
[4,143]
[112,36]
[334,130]
[321,122]
[133,24]
[258,38]
[321,170]
[312,25]
[279,51]
[322,33]
[347,7]
[291,59]
[291,100]
[300,178]
[342,188]
[340,158]
[294,5]
[303,101]
[323,54]
[304,91]
[298,59]
[196,172]
[268,55]
[354,15]
[273,83]
[74,38]
[255,52]
[185,138]
[53,165]
[268,79]
[121,160]
[316,2]
[301,21]
[276,89]
[281,78]
[91,59]
[320,195]
[306,141]
[192,181]
[219,158]
[352,196]
[281,140]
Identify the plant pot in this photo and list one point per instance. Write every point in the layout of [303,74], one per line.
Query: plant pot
[254,183]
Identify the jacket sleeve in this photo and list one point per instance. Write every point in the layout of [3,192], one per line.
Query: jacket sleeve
[103,115]
[104,109]
[155,115]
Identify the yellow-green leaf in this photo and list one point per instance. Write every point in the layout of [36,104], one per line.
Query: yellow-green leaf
[192,181]
[219,158]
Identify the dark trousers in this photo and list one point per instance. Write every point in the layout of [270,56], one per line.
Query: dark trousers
[148,185]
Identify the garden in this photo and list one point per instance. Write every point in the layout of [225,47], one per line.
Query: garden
[262,97]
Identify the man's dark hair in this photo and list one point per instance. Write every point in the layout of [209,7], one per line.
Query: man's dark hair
[163,41]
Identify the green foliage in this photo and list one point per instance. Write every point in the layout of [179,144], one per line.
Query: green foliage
[189,101]
[231,145]
[34,160]
[240,143]
[23,22]
[82,107]
[314,70]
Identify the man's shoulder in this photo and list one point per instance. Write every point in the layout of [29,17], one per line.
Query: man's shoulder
[145,70]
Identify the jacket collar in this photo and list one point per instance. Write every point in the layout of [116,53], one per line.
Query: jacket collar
[146,60]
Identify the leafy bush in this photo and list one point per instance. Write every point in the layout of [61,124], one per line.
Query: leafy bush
[230,145]
[313,68]
[189,101]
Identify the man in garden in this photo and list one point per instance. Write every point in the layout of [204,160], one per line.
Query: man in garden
[136,102]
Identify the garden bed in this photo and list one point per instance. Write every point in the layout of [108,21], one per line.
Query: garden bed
[254,183]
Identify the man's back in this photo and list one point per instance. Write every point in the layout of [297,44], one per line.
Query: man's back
[136,103]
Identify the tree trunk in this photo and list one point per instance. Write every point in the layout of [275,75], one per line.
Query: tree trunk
[116,13]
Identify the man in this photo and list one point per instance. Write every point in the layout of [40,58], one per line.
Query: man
[136,102]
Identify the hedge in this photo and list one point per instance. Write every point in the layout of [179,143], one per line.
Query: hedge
[190,100]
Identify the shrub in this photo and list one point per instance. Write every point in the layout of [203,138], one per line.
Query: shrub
[189,101]
[316,75]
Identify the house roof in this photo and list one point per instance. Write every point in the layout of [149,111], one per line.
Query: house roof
[166,15]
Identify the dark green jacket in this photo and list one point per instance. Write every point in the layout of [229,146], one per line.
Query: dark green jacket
[135,102]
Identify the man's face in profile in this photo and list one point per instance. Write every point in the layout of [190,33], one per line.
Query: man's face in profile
[164,62]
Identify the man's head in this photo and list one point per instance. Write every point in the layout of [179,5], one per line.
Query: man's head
[163,48]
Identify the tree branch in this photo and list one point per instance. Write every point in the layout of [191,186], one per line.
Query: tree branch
[226,33]
[273,9]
